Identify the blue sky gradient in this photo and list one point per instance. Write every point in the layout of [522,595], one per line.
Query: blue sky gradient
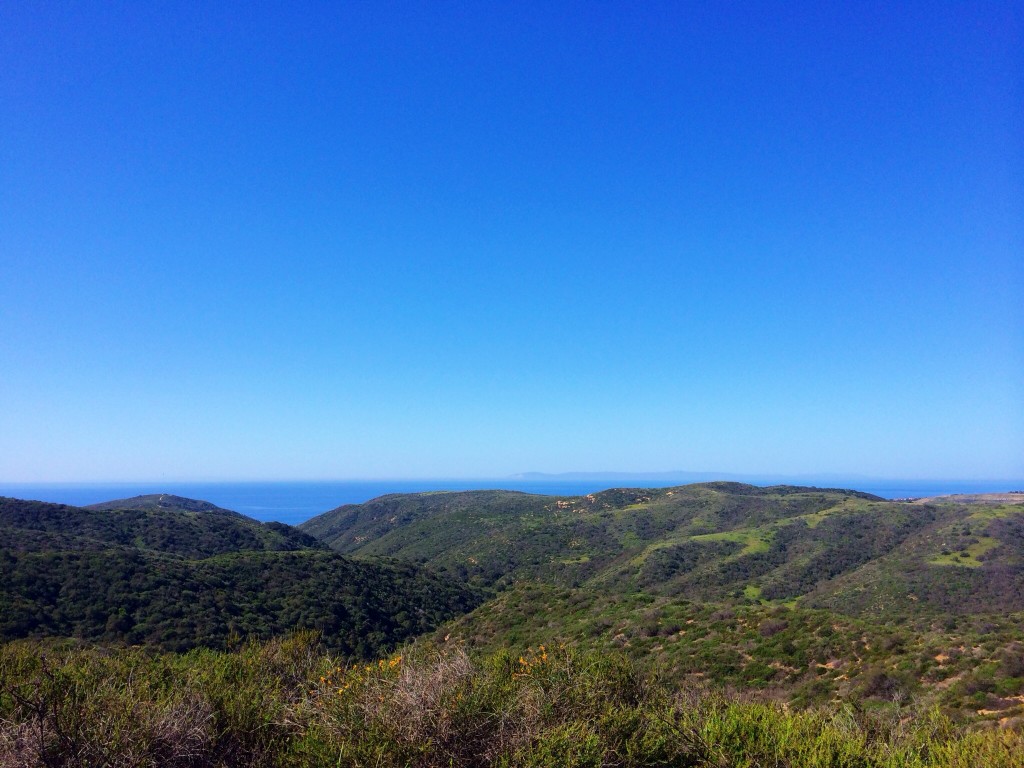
[363,240]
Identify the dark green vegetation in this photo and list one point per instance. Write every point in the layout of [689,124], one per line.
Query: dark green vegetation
[194,531]
[847,630]
[193,575]
[285,703]
[809,595]
[166,502]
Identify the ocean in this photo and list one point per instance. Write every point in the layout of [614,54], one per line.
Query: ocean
[295,502]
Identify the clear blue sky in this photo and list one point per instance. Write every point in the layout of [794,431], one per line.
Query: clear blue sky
[368,239]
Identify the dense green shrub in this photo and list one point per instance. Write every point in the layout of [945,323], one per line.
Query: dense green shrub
[286,703]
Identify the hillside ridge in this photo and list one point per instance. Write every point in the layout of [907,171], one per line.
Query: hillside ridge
[842,549]
[164,501]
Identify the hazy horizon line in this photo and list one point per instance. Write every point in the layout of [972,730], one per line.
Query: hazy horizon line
[534,476]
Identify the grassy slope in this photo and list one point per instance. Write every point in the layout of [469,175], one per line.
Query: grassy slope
[842,550]
[493,536]
[811,594]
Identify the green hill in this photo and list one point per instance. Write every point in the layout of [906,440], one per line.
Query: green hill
[186,527]
[844,550]
[494,536]
[810,594]
[804,594]
[164,501]
[190,574]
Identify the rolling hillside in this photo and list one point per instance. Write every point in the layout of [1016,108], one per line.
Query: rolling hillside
[804,594]
[808,594]
[176,526]
[848,551]
[166,502]
[189,574]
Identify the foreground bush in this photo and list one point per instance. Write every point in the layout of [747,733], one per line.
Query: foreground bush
[284,703]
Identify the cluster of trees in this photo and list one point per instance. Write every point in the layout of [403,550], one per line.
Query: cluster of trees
[176,580]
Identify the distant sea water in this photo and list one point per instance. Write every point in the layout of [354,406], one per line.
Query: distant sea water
[295,502]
